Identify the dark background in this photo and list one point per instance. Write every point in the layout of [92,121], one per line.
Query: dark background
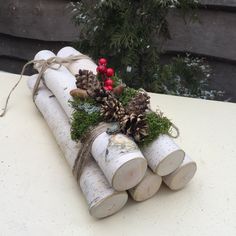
[27,26]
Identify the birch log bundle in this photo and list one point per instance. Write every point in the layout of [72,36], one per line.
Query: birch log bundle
[102,199]
[127,166]
[120,164]
[163,155]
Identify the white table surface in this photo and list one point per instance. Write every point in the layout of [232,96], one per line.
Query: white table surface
[39,196]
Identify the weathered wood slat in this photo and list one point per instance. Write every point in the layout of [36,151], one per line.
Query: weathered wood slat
[43,20]
[223,3]
[25,49]
[213,35]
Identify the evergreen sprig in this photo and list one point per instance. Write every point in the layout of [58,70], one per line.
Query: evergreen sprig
[127,32]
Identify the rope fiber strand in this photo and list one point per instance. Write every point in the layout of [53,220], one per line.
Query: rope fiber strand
[44,65]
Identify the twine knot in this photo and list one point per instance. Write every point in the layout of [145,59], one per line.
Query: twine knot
[42,65]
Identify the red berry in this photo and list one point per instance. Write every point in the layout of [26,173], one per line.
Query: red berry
[110,72]
[102,61]
[110,88]
[102,69]
[109,82]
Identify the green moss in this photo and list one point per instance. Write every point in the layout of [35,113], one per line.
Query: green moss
[127,95]
[157,125]
[82,122]
[83,119]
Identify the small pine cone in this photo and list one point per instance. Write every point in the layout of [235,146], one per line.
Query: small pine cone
[112,109]
[139,104]
[87,80]
[134,125]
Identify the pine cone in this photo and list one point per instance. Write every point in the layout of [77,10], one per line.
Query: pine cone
[112,109]
[134,125]
[88,81]
[139,104]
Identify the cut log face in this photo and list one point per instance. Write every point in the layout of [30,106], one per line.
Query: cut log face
[100,196]
[181,177]
[102,199]
[147,188]
[83,64]
[59,81]
[163,155]
[120,160]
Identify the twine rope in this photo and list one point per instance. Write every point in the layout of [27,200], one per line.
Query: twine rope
[85,151]
[54,63]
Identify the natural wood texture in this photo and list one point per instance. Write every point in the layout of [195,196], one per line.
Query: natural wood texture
[24,48]
[44,20]
[181,177]
[163,155]
[102,199]
[83,64]
[212,35]
[147,187]
[120,160]
[59,81]
[222,3]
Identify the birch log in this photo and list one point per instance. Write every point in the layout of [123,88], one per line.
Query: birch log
[102,199]
[163,155]
[120,159]
[83,64]
[147,188]
[181,177]
[59,81]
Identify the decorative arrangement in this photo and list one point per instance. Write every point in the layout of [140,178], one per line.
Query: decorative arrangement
[110,137]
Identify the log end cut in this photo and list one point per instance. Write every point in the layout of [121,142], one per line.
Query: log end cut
[129,174]
[170,163]
[147,188]
[181,177]
[109,206]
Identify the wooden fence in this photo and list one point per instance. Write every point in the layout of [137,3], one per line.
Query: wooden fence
[27,26]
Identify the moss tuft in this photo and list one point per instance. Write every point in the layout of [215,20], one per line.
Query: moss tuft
[82,122]
[127,95]
[157,125]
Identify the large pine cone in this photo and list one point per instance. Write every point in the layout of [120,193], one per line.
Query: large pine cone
[88,81]
[139,104]
[135,125]
[112,109]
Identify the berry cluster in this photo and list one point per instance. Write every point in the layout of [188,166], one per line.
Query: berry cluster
[106,74]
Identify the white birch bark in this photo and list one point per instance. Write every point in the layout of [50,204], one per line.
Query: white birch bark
[83,64]
[102,199]
[59,81]
[163,155]
[181,177]
[120,160]
[126,167]
[147,188]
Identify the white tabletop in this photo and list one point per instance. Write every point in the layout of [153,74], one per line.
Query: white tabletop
[39,196]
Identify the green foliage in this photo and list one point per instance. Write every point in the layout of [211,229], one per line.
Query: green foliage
[157,125]
[185,76]
[127,95]
[127,32]
[83,118]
